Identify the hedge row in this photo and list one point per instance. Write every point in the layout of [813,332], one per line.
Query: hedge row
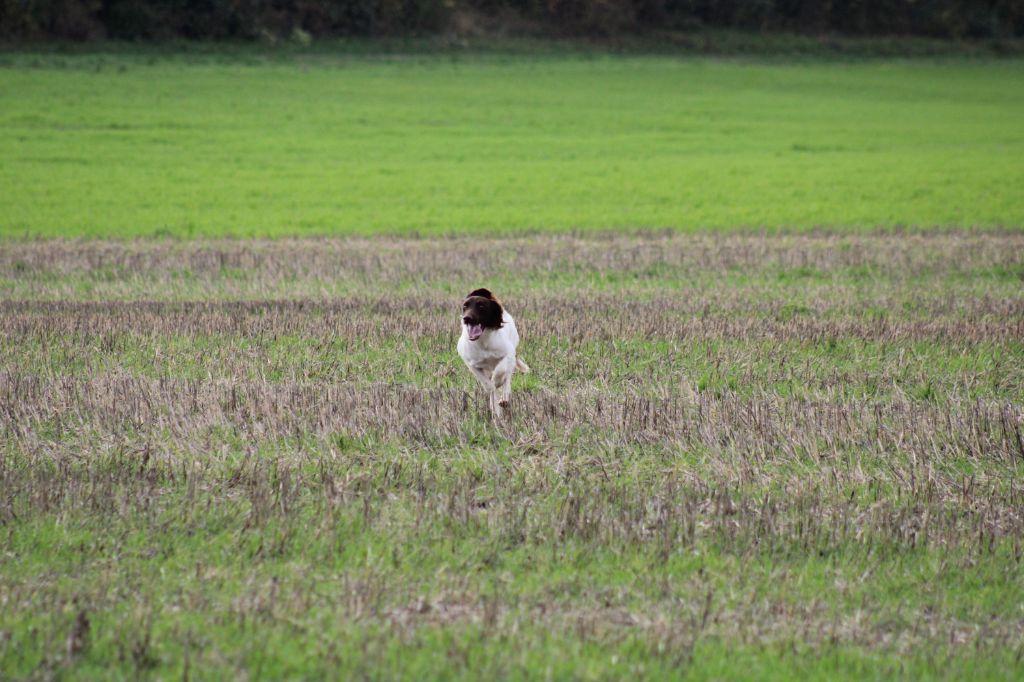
[250,19]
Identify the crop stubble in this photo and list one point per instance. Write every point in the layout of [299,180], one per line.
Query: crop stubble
[774,398]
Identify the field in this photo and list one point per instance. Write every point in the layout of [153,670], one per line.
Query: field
[151,144]
[788,452]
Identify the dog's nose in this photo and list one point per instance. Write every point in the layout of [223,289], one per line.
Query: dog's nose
[466,320]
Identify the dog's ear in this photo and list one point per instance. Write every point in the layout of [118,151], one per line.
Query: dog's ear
[484,293]
[494,315]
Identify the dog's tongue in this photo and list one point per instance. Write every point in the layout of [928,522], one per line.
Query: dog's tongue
[475,331]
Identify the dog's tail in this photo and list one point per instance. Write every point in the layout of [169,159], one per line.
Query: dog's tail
[522,366]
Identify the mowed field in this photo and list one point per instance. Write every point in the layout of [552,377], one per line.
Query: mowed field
[782,439]
[736,457]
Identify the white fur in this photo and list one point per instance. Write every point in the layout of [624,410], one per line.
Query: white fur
[492,359]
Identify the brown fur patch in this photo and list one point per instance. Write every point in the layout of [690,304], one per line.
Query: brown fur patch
[483,309]
[484,293]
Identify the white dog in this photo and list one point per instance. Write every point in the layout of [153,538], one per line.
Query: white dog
[488,346]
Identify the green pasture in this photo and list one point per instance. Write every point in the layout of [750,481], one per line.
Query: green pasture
[145,143]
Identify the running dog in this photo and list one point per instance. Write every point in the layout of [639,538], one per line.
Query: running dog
[488,346]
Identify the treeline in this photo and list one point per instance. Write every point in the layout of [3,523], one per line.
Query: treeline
[271,19]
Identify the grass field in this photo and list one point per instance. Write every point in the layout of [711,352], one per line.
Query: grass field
[780,452]
[149,144]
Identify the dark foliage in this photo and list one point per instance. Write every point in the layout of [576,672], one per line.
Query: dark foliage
[271,19]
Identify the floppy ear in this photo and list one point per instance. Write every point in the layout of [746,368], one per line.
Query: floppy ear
[495,315]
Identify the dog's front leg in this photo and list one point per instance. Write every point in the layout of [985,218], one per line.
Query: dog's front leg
[484,377]
[497,409]
[502,380]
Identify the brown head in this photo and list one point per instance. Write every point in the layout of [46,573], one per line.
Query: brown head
[480,311]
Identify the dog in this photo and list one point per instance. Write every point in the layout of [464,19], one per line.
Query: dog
[488,346]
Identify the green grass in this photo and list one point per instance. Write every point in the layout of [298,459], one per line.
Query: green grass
[141,144]
[205,596]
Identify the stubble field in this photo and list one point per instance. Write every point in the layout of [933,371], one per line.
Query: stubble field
[737,456]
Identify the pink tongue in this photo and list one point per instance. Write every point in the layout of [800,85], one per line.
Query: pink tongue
[475,332]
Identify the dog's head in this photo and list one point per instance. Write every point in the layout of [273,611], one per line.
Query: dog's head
[481,311]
